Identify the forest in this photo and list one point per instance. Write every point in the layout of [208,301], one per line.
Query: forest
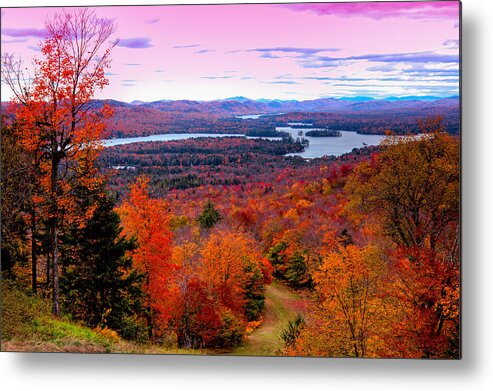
[144,120]
[198,246]
[196,162]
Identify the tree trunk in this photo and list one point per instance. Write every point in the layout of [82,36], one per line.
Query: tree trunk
[34,254]
[150,333]
[54,235]
[54,255]
[48,265]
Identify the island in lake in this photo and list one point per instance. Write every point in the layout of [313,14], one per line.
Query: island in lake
[323,133]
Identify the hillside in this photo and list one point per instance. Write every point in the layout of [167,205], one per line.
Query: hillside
[27,325]
[367,116]
[241,105]
[363,115]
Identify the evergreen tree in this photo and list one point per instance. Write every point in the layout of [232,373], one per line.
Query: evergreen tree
[254,292]
[99,284]
[296,271]
[209,216]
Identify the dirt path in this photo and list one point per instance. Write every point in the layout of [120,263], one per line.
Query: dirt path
[281,306]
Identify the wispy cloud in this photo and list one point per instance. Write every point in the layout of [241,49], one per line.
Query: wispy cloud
[15,40]
[269,55]
[136,43]
[282,82]
[128,82]
[382,68]
[195,45]
[215,77]
[152,21]
[418,57]
[451,43]
[132,64]
[35,48]
[204,51]
[322,78]
[24,32]
[421,10]
[294,50]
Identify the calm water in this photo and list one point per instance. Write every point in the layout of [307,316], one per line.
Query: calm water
[319,146]
[162,137]
[249,116]
[337,146]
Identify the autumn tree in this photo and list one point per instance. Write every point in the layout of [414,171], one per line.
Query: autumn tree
[234,273]
[350,311]
[54,113]
[411,190]
[195,317]
[16,187]
[412,186]
[148,220]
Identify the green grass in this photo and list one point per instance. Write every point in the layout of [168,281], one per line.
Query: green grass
[281,306]
[27,325]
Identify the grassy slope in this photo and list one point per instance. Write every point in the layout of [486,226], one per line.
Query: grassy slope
[281,306]
[27,325]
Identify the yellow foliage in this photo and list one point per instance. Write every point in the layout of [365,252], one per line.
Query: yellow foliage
[108,333]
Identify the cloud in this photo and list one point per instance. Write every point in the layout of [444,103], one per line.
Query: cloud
[131,64]
[215,77]
[419,57]
[195,45]
[411,85]
[382,68]
[451,43]
[35,48]
[152,21]
[204,51]
[159,70]
[282,82]
[135,43]
[432,10]
[24,32]
[15,40]
[431,72]
[268,55]
[128,83]
[416,58]
[295,50]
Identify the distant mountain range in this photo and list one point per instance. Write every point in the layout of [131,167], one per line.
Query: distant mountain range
[241,105]
[361,114]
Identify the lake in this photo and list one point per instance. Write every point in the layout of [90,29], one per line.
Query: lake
[337,146]
[319,146]
[162,137]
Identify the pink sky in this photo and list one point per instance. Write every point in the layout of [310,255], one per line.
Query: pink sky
[276,51]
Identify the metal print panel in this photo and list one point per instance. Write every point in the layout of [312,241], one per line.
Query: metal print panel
[243,179]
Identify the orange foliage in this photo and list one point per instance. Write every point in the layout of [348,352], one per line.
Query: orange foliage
[147,219]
